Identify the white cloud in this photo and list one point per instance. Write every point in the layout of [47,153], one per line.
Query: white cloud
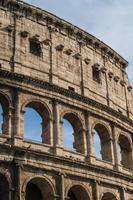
[109,20]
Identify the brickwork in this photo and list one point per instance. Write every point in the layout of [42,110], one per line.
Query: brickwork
[62,72]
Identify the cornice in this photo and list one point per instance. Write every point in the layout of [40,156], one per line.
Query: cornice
[26,10]
[20,153]
[68,93]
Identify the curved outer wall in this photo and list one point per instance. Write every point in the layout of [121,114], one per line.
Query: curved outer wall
[74,75]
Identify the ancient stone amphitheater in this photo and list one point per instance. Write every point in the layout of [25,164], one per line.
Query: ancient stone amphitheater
[62,72]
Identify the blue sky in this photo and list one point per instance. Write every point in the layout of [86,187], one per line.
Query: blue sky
[109,20]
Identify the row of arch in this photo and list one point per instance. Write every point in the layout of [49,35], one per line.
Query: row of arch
[37,120]
[41,188]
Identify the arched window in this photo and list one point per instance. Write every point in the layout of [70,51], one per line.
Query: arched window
[97,145]
[102,143]
[4,115]
[1,119]
[108,196]
[125,152]
[73,132]
[32,125]
[77,192]
[37,122]
[68,137]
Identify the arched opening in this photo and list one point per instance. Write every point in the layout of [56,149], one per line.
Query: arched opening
[33,192]
[77,193]
[4,115]
[4,188]
[38,189]
[97,145]
[32,125]
[68,137]
[1,119]
[125,152]
[102,143]
[108,196]
[73,133]
[37,123]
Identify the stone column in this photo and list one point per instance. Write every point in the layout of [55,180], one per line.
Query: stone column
[51,30]
[58,144]
[95,190]
[89,138]
[84,141]
[82,73]
[62,188]
[115,147]
[122,193]
[17,178]
[7,122]
[16,118]
[47,132]
[86,117]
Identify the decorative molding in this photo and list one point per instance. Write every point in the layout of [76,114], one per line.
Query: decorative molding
[24,34]
[9,28]
[60,47]
[47,42]
[111,74]
[87,60]
[77,56]
[69,51]
[54,88]
[103,69]
[116,78]
[122,82]
[43,17]
[129,88]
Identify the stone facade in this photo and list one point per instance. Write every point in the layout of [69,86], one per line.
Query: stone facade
[62,72]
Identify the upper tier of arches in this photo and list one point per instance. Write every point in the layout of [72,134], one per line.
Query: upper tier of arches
[99,141]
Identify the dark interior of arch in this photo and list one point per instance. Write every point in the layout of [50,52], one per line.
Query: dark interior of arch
[71,195]
[38,189]
[77,193]
[4,188]
[4,114]
[77,127]
[33,192]
[125,152]
[41,119]
[1,119]
[109,196]
[105,142]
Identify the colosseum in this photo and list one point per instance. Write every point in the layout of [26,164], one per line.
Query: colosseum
[64,74]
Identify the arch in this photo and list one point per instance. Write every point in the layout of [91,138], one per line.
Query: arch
[125,151]
[5,105]
[104,141]
[108,196]
[40,186]
[78,130]
[5,185]
[5,101]
[77,192]
[43,111]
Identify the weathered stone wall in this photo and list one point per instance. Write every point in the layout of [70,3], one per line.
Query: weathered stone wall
[68,55]
[45,82]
